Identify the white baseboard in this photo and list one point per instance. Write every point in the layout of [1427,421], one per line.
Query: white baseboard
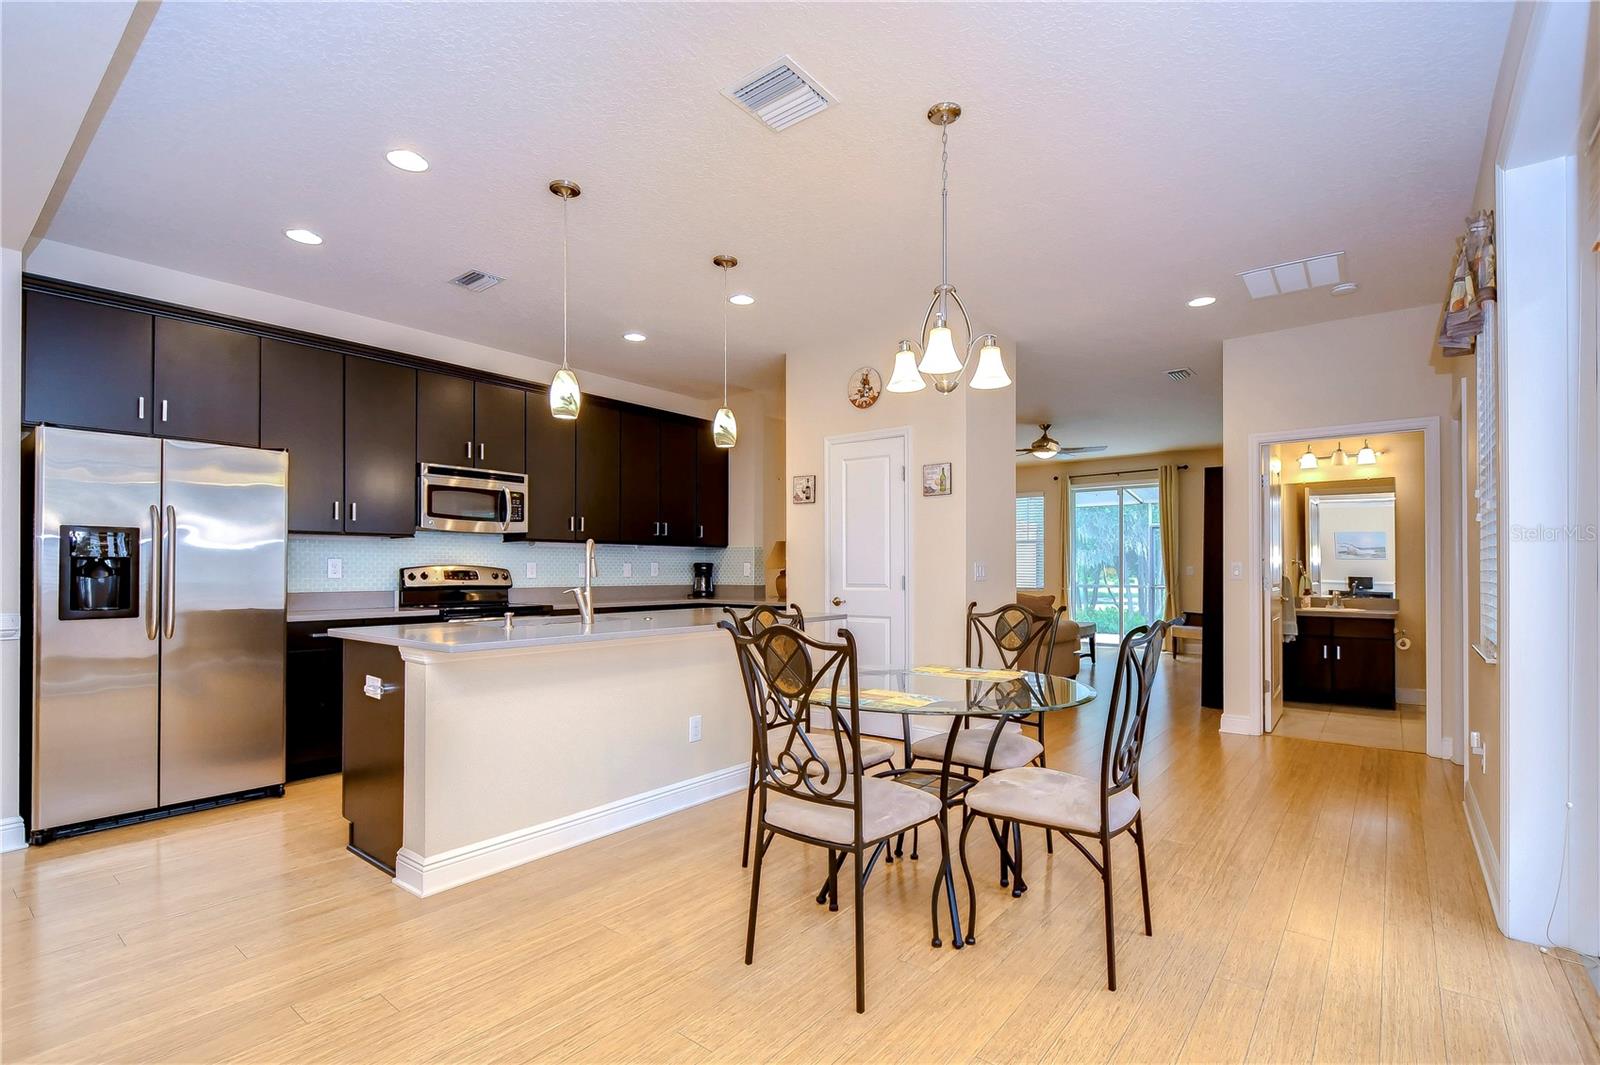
[13,834]
[1411,696]
[429,876]
[1240,725]
[1488,860]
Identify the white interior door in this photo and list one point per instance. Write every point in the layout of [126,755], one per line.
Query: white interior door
[867,544]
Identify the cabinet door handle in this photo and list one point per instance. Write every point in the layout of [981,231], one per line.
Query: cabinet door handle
[480,451]
[163,410]
[141,408]
[702,532]
[469,450]
[1324,653]
[583,523]
[353,518]
[335,510]
[1337,653]
[666,529]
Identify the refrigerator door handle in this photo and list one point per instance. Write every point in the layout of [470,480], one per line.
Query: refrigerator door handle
[168,574]
[151,624]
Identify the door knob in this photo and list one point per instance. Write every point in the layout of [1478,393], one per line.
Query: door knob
[837,601]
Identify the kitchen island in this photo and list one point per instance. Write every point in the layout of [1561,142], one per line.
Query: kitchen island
[473,747]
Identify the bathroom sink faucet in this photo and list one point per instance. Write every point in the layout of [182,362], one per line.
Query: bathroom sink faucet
[585,594]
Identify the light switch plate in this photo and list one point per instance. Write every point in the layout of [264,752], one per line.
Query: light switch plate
[694,729]
[655,569]
[980,572]
[627,569]
[10,626]
[532,570]
[335,569]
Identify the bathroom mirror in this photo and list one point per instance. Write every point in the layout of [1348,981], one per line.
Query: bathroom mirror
[1350,538]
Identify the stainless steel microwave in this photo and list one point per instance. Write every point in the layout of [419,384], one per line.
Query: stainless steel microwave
[461,499]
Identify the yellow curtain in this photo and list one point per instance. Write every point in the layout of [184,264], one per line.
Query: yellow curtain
[1169,537]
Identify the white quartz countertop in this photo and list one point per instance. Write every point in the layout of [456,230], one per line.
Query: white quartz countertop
[466,637]
[364,613]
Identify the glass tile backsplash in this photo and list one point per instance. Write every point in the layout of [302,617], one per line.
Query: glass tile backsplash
[372,564]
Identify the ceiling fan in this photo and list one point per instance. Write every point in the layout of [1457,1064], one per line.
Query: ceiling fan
[1047,447]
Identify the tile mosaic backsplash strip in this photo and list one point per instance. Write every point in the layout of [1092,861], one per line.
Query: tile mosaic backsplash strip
[372,564]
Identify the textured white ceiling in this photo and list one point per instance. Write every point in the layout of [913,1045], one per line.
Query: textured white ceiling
[1114,160]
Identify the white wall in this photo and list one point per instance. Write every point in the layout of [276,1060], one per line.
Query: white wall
[1375,368]
[11,546]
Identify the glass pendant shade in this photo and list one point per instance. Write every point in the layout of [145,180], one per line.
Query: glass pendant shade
[1366,456]
[724,428]
[1308,461]
[991,371]
[939,355]
[565,396]
[905,377]
[1339,457]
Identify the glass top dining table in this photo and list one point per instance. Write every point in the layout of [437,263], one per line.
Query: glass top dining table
[962,691]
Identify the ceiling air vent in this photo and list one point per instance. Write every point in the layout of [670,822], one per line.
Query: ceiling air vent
[1296,276]
[780,94]
[1182,373]
[476,280]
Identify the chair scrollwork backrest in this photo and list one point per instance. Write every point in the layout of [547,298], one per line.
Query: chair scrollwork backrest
[1010,633]
[788,676]
[1138,659]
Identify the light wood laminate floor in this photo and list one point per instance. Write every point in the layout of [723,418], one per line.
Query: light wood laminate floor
[1312,900]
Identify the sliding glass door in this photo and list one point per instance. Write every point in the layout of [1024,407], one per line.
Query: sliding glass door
[1118,579]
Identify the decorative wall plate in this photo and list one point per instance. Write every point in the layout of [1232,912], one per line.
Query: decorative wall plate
[865,388]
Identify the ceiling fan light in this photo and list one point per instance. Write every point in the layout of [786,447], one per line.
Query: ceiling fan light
[1046,451]
[991,371]
[905,377]
[1366,456]
[724,428]
[565,395]
[939,355]
[1308,461]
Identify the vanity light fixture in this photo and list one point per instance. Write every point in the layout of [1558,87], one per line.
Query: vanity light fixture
[725,427]
[407,160]
[565,395]
[302,236]
[1308,461]
[940,360]
[1366,456]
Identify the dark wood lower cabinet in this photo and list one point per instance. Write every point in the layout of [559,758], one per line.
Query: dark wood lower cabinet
[1345,661]
[312,704]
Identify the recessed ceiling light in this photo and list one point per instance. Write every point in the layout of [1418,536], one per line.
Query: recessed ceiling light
[408,160]
[302,236]
[741,299]
[1344,288]
[637,338]
[1202,301]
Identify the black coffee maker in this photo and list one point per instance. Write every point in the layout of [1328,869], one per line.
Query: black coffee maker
[704,586]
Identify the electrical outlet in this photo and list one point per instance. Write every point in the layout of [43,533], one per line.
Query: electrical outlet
[747,570]
[655,569]
[336,569]
[1188,571]
[694,728]
[1476,745]
[627,569]
[532,570]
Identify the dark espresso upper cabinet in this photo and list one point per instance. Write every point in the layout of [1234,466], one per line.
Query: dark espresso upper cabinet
[444,419]
[302,411]
[600,462]
[380,447]
[552,474]
[676,466]
[641,477]
[208,383]
[711,490]
[86,364]
[499,417]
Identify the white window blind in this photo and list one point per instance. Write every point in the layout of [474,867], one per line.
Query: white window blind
[1488,489]
[1030,541]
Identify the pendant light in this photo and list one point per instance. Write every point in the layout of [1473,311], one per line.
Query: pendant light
[1308,461]
[565,395]
[1366,456]
[724,427]
[940,360]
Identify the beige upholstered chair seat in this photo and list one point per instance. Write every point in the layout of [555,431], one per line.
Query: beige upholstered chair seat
[873,752]
[972,746]
[887,808]
[1050,797]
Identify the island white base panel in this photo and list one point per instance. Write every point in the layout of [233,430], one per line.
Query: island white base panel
[428,876]
[512,755]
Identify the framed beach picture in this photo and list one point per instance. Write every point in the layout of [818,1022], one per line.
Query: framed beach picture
[936,479]
[1360,546]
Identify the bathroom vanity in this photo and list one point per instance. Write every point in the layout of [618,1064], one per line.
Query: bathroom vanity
[1343,655]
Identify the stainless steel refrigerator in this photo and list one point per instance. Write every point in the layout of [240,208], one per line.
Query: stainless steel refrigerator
[157,624]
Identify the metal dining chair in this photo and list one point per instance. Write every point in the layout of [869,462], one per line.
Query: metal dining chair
[1077,806]
[823,801]
[763,617]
